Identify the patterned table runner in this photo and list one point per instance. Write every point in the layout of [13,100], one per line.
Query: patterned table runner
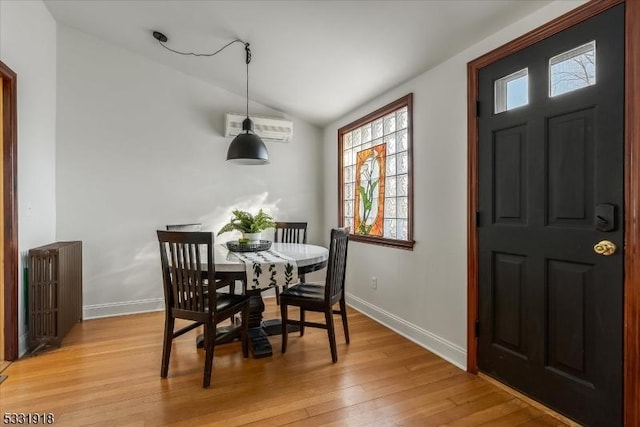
[267,269]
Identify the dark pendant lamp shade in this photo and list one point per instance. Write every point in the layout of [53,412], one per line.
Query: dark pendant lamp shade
[247,148]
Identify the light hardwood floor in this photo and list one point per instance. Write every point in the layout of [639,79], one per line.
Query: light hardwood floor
[108,373]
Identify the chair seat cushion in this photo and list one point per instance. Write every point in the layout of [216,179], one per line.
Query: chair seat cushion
[225,301]
[305,290]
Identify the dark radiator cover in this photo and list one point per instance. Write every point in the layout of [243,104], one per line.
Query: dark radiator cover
[55,292]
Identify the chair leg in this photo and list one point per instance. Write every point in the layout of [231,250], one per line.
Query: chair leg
[169,322]
[301,321]
[343,313]
[244,331]
[277,295]
[328,314]
[283,314]
[232,291]
[209,345]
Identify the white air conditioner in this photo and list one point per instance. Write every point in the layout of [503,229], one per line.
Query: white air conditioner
[268,128]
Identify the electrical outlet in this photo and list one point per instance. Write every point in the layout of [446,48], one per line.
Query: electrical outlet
[374,282]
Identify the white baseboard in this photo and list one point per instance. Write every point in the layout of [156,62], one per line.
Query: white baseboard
[97,311]
[447,350]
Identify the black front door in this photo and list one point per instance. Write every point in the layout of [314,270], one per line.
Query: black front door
[550,212]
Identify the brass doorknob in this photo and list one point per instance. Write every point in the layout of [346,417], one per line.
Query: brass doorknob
[605,247]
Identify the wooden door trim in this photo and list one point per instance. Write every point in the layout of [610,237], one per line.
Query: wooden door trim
[632,216]
[631,183]
[10,198]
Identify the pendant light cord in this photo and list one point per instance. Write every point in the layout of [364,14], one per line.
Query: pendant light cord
[162,39]
[247,147]
[204,54]
[247,60]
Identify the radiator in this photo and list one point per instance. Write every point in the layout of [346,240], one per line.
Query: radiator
[55,292]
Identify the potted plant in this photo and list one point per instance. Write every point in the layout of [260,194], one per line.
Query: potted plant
[250,226]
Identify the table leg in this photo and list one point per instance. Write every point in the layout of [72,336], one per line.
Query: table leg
[259,330]
[258,340]
[274,327]
[222,335]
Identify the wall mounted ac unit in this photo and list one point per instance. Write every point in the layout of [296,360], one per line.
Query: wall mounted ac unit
[268,128]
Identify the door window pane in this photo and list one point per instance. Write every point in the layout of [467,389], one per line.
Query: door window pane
[511,91]
[573,70]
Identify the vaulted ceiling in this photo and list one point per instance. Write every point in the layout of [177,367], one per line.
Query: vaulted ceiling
[316,60]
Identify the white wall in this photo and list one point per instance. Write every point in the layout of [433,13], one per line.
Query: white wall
[28,47]
[141,146]
[423,293]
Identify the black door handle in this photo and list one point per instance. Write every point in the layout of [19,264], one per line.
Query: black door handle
[605,217]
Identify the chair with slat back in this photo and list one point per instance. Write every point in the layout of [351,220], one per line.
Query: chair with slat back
[187,267]
[289,232]
[196,226]
[184,227]
[321,297]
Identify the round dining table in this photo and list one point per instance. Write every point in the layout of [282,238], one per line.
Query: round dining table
[230,268]
[308,257]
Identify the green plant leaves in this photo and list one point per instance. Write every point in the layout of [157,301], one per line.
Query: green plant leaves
[246,223]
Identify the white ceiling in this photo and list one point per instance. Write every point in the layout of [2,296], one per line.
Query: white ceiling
[316,60]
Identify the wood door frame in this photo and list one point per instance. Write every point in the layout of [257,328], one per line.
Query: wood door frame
[631,349]
[10,211]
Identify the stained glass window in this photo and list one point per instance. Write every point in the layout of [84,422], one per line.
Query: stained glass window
[375,163]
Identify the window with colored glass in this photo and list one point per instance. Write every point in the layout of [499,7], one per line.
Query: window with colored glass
[375,168]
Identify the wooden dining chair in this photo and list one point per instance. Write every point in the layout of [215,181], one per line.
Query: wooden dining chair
[196,226]
[187,267]
[289,232]
[321,298]
[184,227]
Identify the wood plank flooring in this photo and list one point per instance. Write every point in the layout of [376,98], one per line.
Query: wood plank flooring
[108,373]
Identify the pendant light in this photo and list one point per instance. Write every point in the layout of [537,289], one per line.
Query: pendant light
[247,148]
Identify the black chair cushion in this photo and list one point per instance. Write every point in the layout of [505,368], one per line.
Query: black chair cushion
[305,290]
[225,301]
